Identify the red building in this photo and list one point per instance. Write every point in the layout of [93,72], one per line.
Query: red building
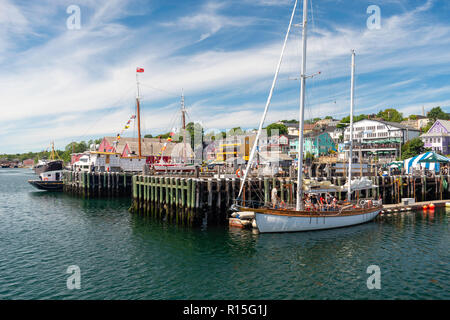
[28,162]
[150,148]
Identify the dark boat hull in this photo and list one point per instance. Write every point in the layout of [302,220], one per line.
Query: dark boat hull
[49,166]
[47,185]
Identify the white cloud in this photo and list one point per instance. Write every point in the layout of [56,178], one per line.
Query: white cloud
[77,77]
[209,21]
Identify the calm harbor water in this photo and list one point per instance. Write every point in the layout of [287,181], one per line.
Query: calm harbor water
[124,256]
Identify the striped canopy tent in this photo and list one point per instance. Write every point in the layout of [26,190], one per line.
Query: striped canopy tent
[435,158]
[427,160]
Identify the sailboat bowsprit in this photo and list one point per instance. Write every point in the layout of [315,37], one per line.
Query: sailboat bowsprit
[298,219]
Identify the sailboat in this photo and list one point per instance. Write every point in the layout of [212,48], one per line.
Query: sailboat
[181,166]
[300,219]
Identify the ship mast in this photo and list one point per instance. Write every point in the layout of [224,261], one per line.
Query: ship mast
[52,154]
[352,101]
[183,124]
[299,204]
[138,98]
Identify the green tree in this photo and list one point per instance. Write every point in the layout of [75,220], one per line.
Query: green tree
[427,127]
[290,121]
[346,119]
[391,115]
[413,117]
[282,129]
[437,113]
[412,148]
[148,136]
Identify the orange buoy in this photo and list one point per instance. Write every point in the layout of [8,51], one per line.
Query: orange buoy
[425,207]
[431,206]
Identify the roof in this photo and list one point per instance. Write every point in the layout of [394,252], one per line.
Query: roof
[398,125]
[434,134]
[308,126]
[150,146]
[392,124]
[313,134]
[445,124]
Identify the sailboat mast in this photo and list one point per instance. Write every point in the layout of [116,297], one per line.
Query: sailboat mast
[350,153]
[138,98]
[183,124]
[299,204]
[266,108]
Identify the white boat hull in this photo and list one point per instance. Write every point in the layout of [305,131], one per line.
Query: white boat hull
[283,223]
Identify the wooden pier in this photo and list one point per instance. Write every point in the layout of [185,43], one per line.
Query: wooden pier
[196,199]
[98,184]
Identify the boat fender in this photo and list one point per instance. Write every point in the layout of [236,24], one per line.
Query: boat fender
[238,173]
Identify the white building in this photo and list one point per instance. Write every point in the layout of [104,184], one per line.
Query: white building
[377,140]
[372,130]
[97,161]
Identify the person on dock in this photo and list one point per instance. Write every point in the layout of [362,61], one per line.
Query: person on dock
[274,197]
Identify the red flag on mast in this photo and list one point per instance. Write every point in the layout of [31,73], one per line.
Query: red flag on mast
[139,69]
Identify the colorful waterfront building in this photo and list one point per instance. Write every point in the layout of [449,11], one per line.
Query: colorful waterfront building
[438,137]
[316,143]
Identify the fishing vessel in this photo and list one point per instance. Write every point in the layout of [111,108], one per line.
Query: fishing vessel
[49,172]
[273,219]
[49,181]
[52,164]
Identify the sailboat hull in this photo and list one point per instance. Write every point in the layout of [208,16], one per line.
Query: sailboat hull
[267,222]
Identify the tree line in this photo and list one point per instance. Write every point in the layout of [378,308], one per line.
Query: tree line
[411,148]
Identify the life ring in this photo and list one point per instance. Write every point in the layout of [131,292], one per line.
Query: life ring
[45,179]
[238,173]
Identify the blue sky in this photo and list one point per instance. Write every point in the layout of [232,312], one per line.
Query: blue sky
[63,85]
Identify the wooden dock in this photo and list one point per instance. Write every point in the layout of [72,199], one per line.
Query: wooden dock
[195,199]
[398,207]
[97,184]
